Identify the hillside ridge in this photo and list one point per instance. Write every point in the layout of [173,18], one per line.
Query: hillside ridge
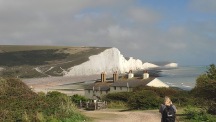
[44,61]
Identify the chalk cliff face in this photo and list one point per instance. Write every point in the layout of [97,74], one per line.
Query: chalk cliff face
[108,61]
[171,65]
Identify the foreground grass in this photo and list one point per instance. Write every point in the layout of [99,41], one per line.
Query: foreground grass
[19,103]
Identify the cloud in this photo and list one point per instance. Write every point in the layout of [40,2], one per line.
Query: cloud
[135,30]
[117,33]
[143,15]
[203,5]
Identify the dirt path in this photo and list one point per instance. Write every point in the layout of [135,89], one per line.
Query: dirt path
[123,116]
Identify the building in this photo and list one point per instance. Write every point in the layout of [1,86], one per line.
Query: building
[104,86]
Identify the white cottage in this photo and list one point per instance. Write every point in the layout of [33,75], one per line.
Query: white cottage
[103,87]
[130,84]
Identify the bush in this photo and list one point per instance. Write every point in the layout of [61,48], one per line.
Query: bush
[179,96]
[19,103]
[77,98]
[183,98]
[159,91]
[212,108]
[150,97]
[118,96]
[144,100]
[197,114]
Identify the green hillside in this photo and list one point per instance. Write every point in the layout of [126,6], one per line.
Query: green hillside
[42,61]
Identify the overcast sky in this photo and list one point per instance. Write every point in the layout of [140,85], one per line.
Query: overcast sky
[182,31]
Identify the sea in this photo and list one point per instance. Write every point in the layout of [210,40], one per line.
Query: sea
[183,77]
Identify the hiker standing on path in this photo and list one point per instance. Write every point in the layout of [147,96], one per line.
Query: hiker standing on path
[167,110]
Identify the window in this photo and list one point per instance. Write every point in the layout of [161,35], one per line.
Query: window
[114,87]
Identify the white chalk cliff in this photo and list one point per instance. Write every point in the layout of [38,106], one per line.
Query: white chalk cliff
[108,61]
[171,65]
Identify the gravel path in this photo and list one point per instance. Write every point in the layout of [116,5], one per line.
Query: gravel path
[126,116]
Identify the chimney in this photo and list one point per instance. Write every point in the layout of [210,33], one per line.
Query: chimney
[115,76]
[145,75]
[102,77]
[130,75]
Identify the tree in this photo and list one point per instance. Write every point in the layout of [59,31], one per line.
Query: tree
[206,88]
[211,73]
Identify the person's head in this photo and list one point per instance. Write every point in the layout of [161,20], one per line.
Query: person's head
[167,101]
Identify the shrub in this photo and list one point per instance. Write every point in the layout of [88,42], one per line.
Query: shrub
[77,98]
[19,103]
[144,100]
[197,114]
[183,98]
[159,91]
[118,96]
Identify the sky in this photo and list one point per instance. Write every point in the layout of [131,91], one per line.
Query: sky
[181,31]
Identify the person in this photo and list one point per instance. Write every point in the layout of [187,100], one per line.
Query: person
[167,110]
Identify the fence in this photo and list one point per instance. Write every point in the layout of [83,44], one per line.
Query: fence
[93,105]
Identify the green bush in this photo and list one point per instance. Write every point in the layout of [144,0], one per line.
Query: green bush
[144,100]
[19,103]
[198,115]
[183,98]
[150,97]
[118,96]
[159,91]
[178,96]
[77,98]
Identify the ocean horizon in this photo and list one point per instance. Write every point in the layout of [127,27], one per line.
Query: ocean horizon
[183,77]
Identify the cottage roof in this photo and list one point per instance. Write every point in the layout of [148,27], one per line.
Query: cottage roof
[105,86]
[99,86]
[133,82]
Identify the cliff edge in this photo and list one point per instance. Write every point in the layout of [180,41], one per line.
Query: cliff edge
[108,61]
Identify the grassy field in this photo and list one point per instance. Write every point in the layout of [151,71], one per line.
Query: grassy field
[42,61]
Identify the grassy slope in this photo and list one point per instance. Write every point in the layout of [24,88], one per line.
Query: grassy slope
[20,61]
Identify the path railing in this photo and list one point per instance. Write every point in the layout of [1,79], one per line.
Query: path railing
[93,105]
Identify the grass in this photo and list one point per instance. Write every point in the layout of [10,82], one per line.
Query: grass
[117,105]
[17,48]
[32,58]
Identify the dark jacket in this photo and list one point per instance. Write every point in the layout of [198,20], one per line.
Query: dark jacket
[163,118]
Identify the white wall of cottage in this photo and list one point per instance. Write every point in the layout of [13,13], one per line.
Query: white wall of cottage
[119,89]
[90,93]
